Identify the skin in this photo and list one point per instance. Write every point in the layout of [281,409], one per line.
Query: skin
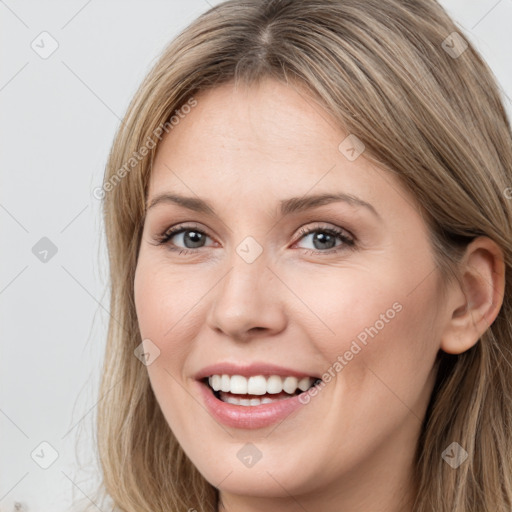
[351,447]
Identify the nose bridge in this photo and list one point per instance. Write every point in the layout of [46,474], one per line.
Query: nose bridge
[243,301]
[247,261]
[243,283]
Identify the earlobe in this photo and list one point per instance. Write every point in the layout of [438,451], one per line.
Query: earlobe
[475,307]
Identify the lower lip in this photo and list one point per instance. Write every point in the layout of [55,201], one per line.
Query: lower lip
[248,417]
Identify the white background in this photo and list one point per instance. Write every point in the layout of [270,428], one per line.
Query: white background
[58,118]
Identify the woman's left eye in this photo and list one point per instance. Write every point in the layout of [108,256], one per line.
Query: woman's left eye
[323,239]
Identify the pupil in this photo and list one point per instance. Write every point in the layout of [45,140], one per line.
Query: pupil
[197,236]
[321,237]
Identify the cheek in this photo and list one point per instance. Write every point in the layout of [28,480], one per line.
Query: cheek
[387,362]
[145,290]
[372,321]
[163,298]
[162,302]
[344,305]
[167,303]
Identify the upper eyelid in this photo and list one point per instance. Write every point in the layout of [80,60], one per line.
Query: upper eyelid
[308,229]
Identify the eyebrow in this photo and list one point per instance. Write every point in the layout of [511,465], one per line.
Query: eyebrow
[287,206]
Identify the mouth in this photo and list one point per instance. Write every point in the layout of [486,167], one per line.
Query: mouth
[258,389]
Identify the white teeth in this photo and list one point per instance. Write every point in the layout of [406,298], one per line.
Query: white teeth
[274,384]
[248,402]
[290,384]
[258,384]
[238,385]
[215,382]
[225,383]
[304,383]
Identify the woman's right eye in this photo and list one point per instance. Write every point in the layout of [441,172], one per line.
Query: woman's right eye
[190,236]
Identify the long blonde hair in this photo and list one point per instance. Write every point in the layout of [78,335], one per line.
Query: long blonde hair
[427,109]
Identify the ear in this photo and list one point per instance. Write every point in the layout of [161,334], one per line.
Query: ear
[475,307]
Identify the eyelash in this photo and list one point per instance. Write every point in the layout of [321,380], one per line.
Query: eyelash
[348,241]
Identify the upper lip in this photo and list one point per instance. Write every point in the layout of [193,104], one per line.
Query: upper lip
[248,370]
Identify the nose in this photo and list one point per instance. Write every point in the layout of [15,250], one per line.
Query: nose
[248,302]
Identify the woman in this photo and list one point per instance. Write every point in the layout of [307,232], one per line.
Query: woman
[251,367]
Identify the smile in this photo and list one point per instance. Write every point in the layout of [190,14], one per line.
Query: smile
[256,401]
[240,390]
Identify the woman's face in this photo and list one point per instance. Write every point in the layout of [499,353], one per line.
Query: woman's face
[257,284]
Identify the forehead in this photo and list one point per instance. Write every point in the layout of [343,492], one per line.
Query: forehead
[258,131]
[259,143]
